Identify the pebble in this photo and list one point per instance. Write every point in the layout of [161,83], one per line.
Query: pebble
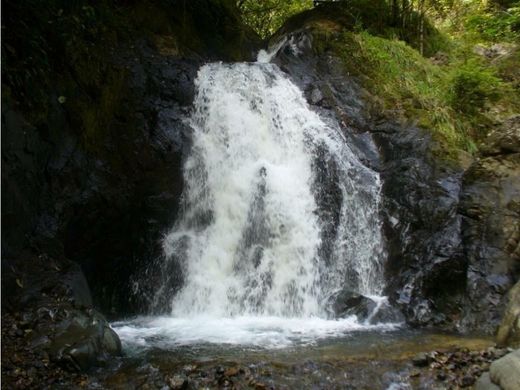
[414,373]
[233,371]
[421,360]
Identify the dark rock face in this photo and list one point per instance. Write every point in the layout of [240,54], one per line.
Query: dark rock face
[104,195]
[52,313]
[96,176]
[451,233]
[104,205]
[490,205]
[426,269]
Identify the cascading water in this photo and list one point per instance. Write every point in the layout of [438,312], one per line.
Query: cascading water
[251,236]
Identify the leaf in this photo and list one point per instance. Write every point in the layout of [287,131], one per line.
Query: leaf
[19,283]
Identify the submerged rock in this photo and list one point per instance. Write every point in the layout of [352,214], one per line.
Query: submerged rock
[422,359]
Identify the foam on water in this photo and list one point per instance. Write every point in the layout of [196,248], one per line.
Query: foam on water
[263,332]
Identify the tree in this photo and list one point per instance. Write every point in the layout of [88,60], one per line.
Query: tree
[266,16]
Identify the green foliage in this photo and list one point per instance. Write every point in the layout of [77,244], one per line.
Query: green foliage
[473,86]
[267,16]
[408,84]
[496,25]
[460,94]
[453,101]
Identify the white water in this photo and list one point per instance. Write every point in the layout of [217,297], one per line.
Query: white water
[249,238]
[262,332]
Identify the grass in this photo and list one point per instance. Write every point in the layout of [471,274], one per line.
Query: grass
[409,84]
[458,101]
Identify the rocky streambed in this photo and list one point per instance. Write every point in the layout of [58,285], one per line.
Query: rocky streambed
[400,359]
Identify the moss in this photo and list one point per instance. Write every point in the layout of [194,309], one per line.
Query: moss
[97,115]
[409,86]
[374,17]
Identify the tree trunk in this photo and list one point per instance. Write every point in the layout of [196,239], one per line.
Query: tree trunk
[421,26]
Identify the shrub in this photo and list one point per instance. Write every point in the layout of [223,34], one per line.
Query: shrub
[473,86]
[498,25]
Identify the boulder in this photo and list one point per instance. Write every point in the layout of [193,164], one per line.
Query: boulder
[509,330]
[53,306]
[347,303]
[386,313]
[83,340]
[505,372]
[484,383]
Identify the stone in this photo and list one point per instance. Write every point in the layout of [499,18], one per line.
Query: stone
[421,359]
[505,372]
[386,313]
[232,371]
[347,303]
[509,330]
[484,383]
[467,380]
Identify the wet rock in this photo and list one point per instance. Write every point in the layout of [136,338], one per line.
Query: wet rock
[84,341]
[347,303]
[386,313]
[491,226]
[467,381]
[505,372]
[509,330]
[233,371]
[422,359]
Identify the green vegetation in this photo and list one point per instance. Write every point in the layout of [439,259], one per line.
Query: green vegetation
[267,16]
[458,100]
[473,86]
[459,89]
[451,65]
[409,85]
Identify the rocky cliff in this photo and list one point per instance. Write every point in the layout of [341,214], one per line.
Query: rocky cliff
[93,140]
[451,219]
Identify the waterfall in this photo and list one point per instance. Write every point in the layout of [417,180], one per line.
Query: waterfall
[251,237]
